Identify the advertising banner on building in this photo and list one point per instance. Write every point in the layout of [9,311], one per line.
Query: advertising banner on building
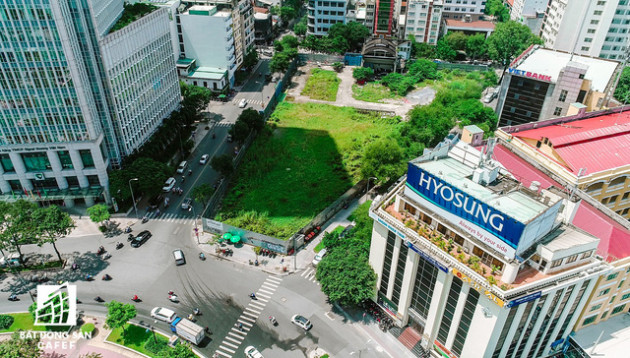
[471,214]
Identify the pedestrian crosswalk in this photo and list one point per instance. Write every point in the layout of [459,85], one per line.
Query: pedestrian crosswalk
[309,274]
[246,321]
[250,102]
[170,217]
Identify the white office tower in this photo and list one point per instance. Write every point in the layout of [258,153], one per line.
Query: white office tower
[475,264]
[76,97]
[597,28]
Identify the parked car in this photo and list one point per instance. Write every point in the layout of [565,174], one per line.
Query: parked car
[181,168]
[186,203]
[490,96]
[252,352]
[169,184]
[163,314]
[12,259]
[141,238]
[320,255]
[301,322]
[204,159]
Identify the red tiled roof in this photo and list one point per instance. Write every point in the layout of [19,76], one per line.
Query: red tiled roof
[596,144]
[473,24]
[614,239]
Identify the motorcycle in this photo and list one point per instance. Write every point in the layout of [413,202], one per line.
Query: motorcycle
[197,312]
[130,237]
[13,298]
[106,277]
[107,256]
[101,250]
[189,172]
[135,298]
[145,219]
[273,321]
[173,298]
[74,266]
[119,245]
[98,299]
[202,256]
[89,277]
[127,229]
[170,293]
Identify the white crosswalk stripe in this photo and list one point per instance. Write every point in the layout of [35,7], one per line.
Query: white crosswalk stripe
[247,319]
[309,274]
[169,217]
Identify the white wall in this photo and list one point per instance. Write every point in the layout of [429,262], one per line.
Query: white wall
[208,40]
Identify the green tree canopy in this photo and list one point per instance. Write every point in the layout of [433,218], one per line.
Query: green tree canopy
[251,59]
[498,9]
[622,93]
[476,46]
[17,225]
[252,118]
[300,28]
[421,49]
[457,40]
[52,224]
[98,213]
[287,14]
[202,193]
[279,62]
[180,351]
[118,314]
[509,40]
[384,160]
[239,131]
[223,164]
[151,174]
[423,69]
[444,51]
[346,276]
[362,73]
[17,347]
[353,32]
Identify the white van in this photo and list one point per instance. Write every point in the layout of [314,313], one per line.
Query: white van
[182,167]
[179,257]
[163,314]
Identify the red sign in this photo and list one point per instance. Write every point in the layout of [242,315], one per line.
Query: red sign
[440,348]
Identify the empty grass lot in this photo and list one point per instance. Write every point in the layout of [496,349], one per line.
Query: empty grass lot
[309,160]
[373,92]
[136,337]
[322,85]
[23,321]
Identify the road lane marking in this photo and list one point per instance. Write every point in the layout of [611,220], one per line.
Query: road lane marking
[272,278]
[265,291]
[260,306]
[227,349]
[248,324]
[230,344]
[236,335]
[223,354]
[232,339]
[249,319]
[249,309]
[250,314]
[239,332]
[262,299]
[270,284]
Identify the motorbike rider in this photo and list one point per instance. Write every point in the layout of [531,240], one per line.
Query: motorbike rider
[252,295]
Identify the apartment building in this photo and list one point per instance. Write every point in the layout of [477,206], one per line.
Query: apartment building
[323,14]
[385,18]
[476,263]
[458,9]
[77,97]
[597,28]
[542,83]
[530,13]
[424,20]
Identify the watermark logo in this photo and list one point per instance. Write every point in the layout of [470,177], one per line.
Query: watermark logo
[56,305]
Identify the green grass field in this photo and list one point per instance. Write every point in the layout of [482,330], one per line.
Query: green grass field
[135,338]
[23,321]
[312,158]
[372,92]
[322,85]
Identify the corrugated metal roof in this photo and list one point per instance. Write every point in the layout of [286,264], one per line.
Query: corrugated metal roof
[596,144]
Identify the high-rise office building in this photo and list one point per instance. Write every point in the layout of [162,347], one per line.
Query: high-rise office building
[595,28]
[79,91]
[323,14]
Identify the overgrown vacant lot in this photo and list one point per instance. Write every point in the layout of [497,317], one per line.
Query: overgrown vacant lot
[372,92]
[295,170]
[322,85]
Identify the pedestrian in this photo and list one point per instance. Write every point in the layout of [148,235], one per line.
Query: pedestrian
[364,316]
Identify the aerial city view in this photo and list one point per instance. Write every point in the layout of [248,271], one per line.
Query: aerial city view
[314,178]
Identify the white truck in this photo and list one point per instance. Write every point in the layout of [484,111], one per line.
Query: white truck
[188,330]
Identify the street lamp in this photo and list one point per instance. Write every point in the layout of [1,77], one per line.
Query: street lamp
[132,197]
[368,184]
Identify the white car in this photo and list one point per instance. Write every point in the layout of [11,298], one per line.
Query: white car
[252,352]
[186,203]
[242,103]
[204,159]
[163,314]
[301,322]
[489,97]
[320,255]
[169,185]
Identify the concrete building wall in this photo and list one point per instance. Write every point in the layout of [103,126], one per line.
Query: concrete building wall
[197,29]
[458,9]
[322,14]
[105,13]
[423,20]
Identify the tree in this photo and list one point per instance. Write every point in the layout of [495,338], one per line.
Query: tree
[508,40]
[382,159]
[398,83]
[287,14]
[476,46]
[17,226]
[223,164]
[353,34]
[251,59]
[300,28]
[152,175]
[362,73]
[118,314]
[17,347]
[457,40]
[421,49]
[337,66]
[53,224]
[622,93]
[254,120]
[444,51]
[346,276]
[498,9]
[422,69]
[289,42]
[239,131]
[98,213]
[279,62]
[180,351]
[202,193]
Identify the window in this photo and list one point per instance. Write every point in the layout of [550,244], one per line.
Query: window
[604,314]
[86,158]
[34,162]
[65,160]
[594,22]
[588,39]
[556,263]
[612,299]
[563,95]
[603,292]
[625,297]
[595,308]
[585,48]
[572,258]
[597,12]
[73,182]
[590,31]
[557,111]
[587,255]
[618,309]
[581,76]
[612,276]
[15,185]
[93,180]
[589,320]
[7,164]
[600,3]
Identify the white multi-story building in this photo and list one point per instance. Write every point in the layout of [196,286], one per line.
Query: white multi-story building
[423,20]
[529,13]
[477,264]
[458,9]
[323,14]
[75,97]
[595,28]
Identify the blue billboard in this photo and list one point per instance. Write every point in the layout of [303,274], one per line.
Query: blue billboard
[464,206]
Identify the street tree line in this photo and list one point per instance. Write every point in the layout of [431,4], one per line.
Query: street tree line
[25,223]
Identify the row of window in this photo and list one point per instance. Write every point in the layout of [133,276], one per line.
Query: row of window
[39,161]
[42,185]
[591,319]
[331,4]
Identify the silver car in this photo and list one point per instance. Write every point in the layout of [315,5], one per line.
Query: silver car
[186,203]
[302,322]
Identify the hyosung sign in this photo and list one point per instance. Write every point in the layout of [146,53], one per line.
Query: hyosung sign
[470,214]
